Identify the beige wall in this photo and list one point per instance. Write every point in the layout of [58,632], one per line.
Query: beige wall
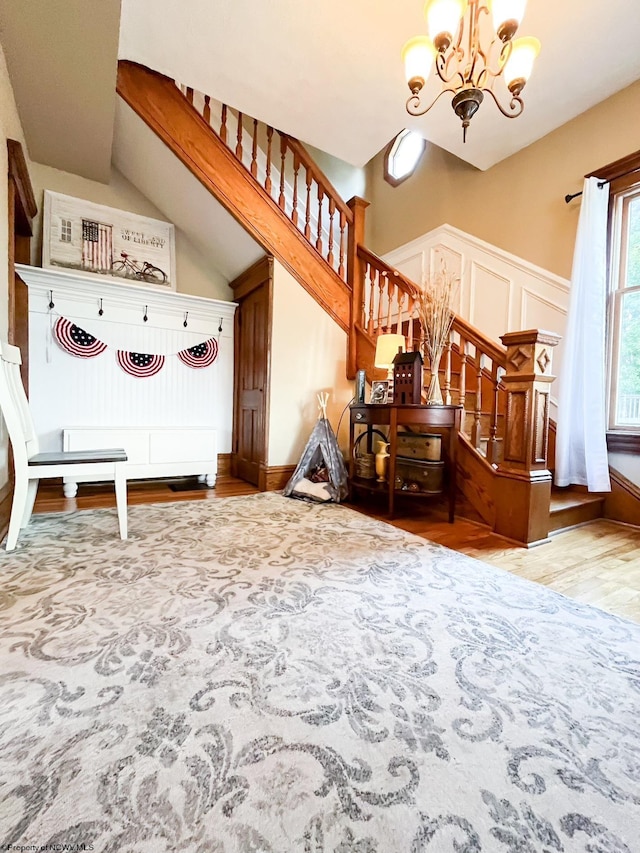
[11,129]
[193,273]
[347,179]
[518,205]
[308,355]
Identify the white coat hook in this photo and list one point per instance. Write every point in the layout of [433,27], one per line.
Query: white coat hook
[186,314]
[100,311]
[51,302]
[145,318]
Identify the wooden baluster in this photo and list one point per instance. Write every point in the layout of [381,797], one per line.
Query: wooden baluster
[307,217]
[371,274]
[411,303]
[223,124]
[447,373]
[319,234]
[283,154]
[296,169]
[239,138]
[254,150]
[190,94]
[267,183]
[492,447]
[462,347]
[206,112]
[342,249]
[391,289]
[476,432]
[332,213]
[382,282]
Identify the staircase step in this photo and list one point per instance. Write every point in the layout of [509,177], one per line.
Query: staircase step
[571,506]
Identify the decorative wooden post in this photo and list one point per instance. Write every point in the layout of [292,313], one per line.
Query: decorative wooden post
[355,277]
[523,490]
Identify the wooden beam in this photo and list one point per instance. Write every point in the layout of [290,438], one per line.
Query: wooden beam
[161,105]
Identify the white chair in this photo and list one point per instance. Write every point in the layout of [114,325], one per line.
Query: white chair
[31,466]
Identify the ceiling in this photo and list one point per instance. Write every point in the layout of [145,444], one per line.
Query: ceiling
[330,73]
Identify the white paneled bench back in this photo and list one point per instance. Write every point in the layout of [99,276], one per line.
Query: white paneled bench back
[70,392]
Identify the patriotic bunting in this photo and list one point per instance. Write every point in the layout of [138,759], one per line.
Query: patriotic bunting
[140,364]
[202,355]
[76,341]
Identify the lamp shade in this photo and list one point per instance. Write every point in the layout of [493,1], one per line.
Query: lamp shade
[443,16]
[507,10]
[417,55]
[387,347]
[519,66]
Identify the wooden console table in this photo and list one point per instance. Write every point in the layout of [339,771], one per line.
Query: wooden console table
[445,419]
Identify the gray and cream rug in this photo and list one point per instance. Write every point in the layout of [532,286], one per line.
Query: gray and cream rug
[259,675]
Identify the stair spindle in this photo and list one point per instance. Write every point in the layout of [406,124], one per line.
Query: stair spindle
[447,373]
[254,150]
[382,283]
[267,183]
[239,138]
[283,154]
[332,213]
[391,290]
[189,94]
[319,234]
[343,223]
[492,448]
[206,112]
[223,124]
[296,169]
[477,426]
[462,346]
[371,273]
[307,217]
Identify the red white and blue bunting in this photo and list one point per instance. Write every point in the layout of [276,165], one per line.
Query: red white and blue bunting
[81,344]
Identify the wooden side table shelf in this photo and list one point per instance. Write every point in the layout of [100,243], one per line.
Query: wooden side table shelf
[445,419]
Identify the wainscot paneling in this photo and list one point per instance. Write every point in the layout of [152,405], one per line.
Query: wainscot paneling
[498,293]
[66,391]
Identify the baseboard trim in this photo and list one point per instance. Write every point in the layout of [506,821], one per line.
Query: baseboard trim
[224,464]
[622,503]
[274,477]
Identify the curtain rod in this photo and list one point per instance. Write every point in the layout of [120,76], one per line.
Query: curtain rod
[601,184]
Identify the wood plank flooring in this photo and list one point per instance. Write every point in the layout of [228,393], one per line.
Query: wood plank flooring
[597,564]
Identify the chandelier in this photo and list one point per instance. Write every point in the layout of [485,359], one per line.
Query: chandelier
[466,68]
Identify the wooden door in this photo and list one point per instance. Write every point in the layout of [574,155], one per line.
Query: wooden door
[253,292]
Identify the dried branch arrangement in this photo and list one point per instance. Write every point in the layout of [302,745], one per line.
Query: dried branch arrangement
[434,310]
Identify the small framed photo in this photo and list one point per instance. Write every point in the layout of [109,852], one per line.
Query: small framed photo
[379,391]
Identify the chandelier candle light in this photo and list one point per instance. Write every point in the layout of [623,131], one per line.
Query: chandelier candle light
[466,68]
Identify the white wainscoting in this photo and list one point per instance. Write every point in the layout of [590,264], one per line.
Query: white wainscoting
[66,391]
[498,293]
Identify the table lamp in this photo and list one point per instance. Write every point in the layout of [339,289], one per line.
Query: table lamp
[387,347]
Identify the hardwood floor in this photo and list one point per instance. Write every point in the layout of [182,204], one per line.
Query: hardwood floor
[597,564]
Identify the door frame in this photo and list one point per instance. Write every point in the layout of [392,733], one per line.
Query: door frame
[258,275]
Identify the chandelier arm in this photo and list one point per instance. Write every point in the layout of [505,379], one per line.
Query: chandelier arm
[516,105]
[413,103]
[442,65]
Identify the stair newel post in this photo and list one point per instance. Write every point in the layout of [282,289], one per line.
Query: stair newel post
[319,232]
[523,492]
[476,432]
[296,169]
[254,150]
[343,225]
[492,447]
[239,138]
[447,372]
[283,154]
[332,213]
[355,276]
[267,182]
[223,124]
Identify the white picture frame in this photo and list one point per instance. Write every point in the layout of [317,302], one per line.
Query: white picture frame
[103,242]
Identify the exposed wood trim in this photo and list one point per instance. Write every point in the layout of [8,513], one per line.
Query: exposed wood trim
[389,178]
[161,105]
[24,190]
[618,168]
[623,442]
[274,477]
[622,503]
[224,464]
[252,278]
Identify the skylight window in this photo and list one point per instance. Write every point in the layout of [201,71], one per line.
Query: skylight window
[403,155]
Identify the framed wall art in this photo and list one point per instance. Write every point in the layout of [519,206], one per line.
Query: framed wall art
[102,241]
[379,391]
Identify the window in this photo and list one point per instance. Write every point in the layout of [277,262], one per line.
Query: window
[402,156]
[65,230]
[624,305]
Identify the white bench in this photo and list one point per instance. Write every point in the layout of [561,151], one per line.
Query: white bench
[152,452]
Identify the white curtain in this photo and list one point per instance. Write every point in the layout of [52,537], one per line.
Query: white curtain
[581,446]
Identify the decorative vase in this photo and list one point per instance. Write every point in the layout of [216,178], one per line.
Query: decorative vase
[434,393]
[382,457]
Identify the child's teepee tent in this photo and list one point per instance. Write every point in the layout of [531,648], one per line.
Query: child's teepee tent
[321,474]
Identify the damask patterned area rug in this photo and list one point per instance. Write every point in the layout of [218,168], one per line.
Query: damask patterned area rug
[259,675]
